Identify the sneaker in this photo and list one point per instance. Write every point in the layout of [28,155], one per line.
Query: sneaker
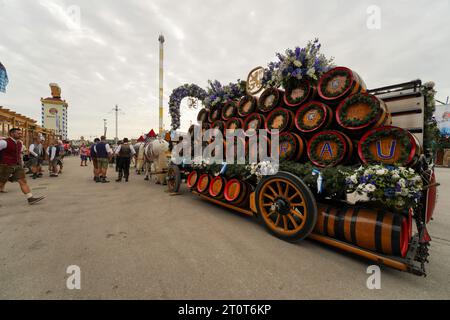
[98,179]
[34,200]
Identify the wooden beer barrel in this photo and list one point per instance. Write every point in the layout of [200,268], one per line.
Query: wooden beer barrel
[298,92]
[280,119]
[254,151]
[270,99]
[362,111]
[291,147]
[338,83]
[330,148]
[376,230]
[203,183]
[192,179]
[229,110]
[217,187]
[253,123]
[215,113]
[219,125]
[247,105]
[314,116]
[237,192]
[234,123]
[389,145]
[203,115]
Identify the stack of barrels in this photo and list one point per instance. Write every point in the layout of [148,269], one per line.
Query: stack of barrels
[334,122]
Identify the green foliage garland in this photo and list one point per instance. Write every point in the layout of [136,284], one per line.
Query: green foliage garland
[325,137]
[356,99]
[401,136]
[302,113]
[325,83]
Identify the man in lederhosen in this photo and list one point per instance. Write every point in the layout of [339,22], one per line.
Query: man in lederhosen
[11,164]
[124,154]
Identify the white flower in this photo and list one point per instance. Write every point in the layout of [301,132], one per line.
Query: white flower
[370,188]
[381,172]
[402,183]
[297,63]
[395,176]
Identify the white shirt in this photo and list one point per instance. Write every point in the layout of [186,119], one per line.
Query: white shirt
[108,148]
[31,149]
[133,152]
[3,144]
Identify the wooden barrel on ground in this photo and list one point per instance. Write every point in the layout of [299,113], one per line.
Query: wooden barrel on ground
[215,113]
[203,115]
[389,145]
[253,123]
[291,147]
[376,230]
[217,187]
[192,179]
[203,183]
[229,110]
[298,92]
[280,119]
[313,117]
[237,192]
[270,99]
[247,105]
[362,111]
[330,148]
[338,83]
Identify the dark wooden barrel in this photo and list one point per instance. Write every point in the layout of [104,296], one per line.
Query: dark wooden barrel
[217,187]
[229,110]
[270,99]
[219,125]
[253,123]
[338,83]
[330,148]
[376,230]
[192,179]
[291,147]
[247,105]
[362,111]
[237,192]
[203,115]
[215,113]
[313,117]
[389,145]
[298,92]
[234,123]
[280,119]
[203,183]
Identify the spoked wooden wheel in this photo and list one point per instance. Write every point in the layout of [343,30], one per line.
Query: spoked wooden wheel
[286,206]
[174,179]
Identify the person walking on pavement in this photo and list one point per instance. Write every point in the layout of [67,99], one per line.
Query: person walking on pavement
[36,151]
[104,155]
[83,155]
[124,154]
[94,160]
[116,155]
[11,164]
[55,160]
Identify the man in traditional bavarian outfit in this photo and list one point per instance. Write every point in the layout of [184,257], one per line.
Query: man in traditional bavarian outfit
[124,154]
[36,151]
[94,160]
[54,159]
[104,155]
[11,164]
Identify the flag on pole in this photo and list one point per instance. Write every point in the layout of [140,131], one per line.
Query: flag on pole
[3,78]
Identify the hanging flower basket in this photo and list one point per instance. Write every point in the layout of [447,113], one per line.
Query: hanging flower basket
[362,111]
[313,117]
[247,105]
[280,119]
[270,99]
[339,83]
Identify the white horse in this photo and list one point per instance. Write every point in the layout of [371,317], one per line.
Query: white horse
[140,159]
[155,155]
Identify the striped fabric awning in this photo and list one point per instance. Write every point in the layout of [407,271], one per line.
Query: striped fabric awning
[3,78]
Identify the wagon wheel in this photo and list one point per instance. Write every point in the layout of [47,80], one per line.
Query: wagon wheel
[286,206]
[174,179]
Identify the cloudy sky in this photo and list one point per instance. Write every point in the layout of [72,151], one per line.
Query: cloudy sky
[108,54]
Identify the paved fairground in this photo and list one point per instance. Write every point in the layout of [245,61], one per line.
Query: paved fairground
[135,241]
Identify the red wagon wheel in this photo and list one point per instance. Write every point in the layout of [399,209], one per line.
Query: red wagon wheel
[286,206]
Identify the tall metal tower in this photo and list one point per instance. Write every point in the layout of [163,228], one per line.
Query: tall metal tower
[161,80]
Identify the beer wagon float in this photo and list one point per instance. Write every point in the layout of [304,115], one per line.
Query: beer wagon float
[371,140]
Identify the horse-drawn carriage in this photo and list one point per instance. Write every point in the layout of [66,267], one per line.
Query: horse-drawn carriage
[352,172]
